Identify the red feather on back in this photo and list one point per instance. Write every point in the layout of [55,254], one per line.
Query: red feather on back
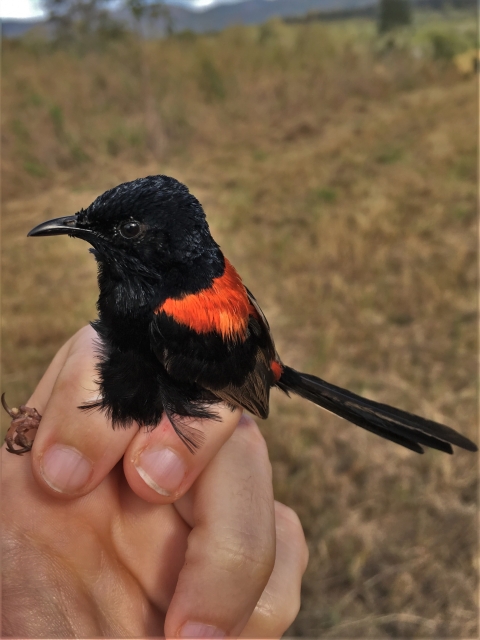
[223,308]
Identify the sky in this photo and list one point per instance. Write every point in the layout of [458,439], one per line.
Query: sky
[19,9]
[31,8]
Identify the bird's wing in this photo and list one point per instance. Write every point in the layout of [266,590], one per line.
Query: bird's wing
[236,370]
[253,393]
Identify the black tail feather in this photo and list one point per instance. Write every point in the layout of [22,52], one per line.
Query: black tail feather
[396,425]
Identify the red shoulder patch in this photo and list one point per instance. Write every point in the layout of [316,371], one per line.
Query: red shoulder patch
[277,370]
[223,308]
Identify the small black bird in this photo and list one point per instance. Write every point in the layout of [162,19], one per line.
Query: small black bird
[180,332]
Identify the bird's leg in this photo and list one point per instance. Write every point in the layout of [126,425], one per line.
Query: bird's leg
[23,429]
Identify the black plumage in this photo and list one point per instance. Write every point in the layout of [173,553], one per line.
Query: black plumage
[179,332]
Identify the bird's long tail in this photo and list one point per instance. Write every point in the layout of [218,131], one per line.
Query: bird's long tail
[401,427]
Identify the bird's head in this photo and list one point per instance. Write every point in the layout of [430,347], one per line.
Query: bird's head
[147,227]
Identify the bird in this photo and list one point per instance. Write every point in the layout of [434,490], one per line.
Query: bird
[179,332]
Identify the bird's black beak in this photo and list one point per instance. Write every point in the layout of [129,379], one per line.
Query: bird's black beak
[61,226]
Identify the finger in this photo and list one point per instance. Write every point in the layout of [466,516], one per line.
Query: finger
[231,549]
[38,400]
[43,391]
[280,602]
[150,540]
[74,450]
[158,465]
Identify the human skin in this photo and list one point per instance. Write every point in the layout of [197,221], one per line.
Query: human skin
[126,534]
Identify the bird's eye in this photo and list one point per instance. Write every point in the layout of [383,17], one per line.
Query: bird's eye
[130,229]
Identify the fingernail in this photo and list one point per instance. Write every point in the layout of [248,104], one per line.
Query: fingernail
[199,630]
[161,469]
[65,469]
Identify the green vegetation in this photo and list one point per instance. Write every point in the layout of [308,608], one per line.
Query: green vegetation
[338,171]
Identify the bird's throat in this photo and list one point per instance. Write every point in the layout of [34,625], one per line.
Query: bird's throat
[127,293]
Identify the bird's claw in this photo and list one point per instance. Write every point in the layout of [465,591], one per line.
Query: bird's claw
[23,429]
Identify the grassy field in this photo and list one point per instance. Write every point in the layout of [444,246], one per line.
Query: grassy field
[338,171]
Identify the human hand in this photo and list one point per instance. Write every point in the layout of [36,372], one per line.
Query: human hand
[174,544]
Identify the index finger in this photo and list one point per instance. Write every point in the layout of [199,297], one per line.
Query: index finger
[74,450]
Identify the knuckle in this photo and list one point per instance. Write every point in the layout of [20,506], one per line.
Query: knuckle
[277,611]
[86,330]
[291,609]
[83,343]
[242,552]
[85,334]
[250,554]
[289,528]
[287,610]
[287,515]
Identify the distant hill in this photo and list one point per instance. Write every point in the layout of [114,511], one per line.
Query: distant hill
[247,12]
[218,17]
[253,12]
[15,28]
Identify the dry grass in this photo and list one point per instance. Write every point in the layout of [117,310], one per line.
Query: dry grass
[340,178]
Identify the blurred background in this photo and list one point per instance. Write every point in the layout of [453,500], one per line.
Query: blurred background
[333,144]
